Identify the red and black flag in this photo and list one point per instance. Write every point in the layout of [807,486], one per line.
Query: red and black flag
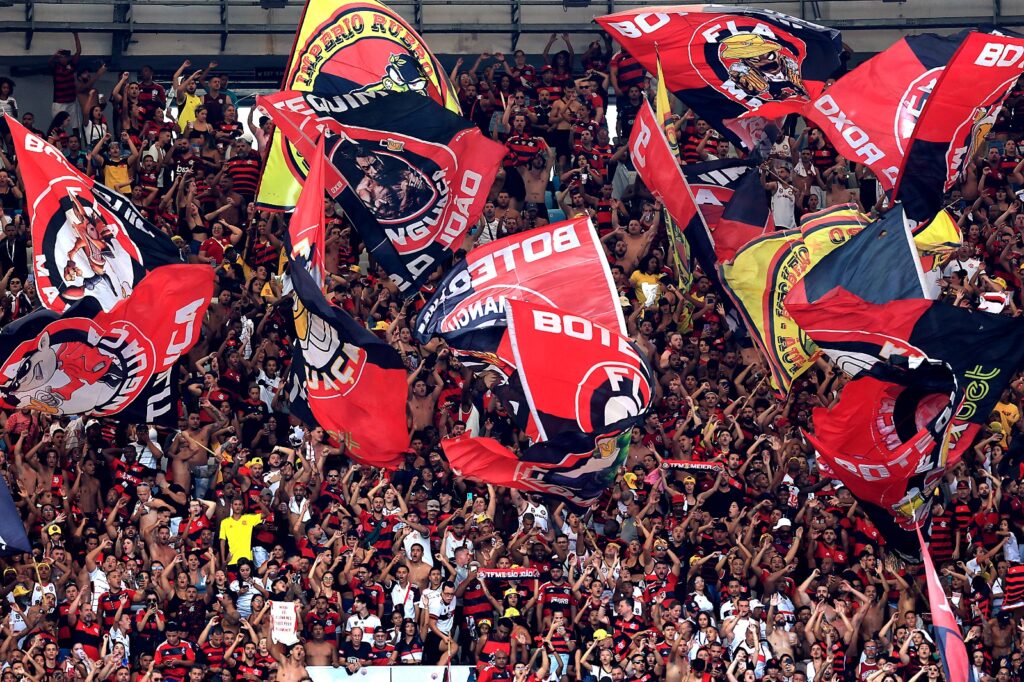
[411,175]
[307,234]
[584,387]
[104,363]
[887,441]
[659,168]
[88,241]
[952,650]
[549,265]
[876,130]
[982,349]
[345,379]
[956,120]
[745,213]
[726,61]
[880,264]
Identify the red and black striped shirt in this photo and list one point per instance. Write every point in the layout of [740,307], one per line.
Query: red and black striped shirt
[64,90]
[244,172]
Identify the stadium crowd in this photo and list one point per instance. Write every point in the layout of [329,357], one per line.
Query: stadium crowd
[158,554]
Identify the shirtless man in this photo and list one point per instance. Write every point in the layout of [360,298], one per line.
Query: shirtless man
[998,634]
[837,191]
[291,666]
[86,489]
[147,509]
[318,650]
[158,542]
[536,175]
[419,570]
[638,242]
[421,402]
[191,447]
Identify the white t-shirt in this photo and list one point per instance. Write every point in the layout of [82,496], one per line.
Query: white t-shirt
[443,613]
[404,597]
[368,624]
[540,515]
[784,206]
[451,543]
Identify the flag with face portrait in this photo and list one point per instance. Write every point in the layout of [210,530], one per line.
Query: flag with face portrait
[726,61]
[349,47]
[411,175]
[88,241]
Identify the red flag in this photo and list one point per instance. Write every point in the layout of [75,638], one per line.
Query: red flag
[345,379]
[105,363]
[723,64]
[306,230]
[952,649]
[550,265]
[876,130]
[957,119]
[88,241]
[660,171]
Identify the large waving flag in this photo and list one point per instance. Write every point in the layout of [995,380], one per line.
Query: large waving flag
[345,379]
[765,270]
[306,231]
[879,264]
[659,168]
[876,130]
[88,241]
[349,47]
[13,538]
[411,175]
[887,440]
[726,61]
[952,649]
[549,265]
[582,387]
[956,119]
[103,363]
[682,261]
[983,350]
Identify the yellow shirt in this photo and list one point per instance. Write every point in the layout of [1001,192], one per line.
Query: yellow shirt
[116,177]
[239,535]
[187,110]
[1008,416]
[638,280]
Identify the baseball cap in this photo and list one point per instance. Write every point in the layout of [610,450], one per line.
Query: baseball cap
[354,268]
[601,635]
[256,462]
[783,523]
[53,529]
[380,326]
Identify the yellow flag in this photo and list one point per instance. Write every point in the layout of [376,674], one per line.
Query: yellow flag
[763,273]
[344,46]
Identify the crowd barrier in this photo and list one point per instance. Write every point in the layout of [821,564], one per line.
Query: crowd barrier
[398,673]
